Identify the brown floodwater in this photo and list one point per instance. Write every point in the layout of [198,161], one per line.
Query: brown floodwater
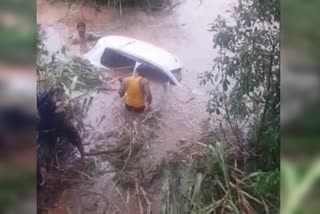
[182,31]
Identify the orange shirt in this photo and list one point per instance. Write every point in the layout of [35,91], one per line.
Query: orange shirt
[134,93]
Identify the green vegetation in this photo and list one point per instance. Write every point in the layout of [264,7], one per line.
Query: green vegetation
[58,69]
[215,184]
[245,92]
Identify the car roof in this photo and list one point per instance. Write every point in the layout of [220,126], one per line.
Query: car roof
[141,50]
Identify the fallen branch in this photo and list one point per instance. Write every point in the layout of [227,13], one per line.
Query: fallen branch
[118,209]
[84,174]
[93,192]
[202,144]
[146,199]
[57,157]
[68,210]
[79,181]
[103,152]
[122,170]
[128,196]
[55,77]
[93,90]
[101,195]
[139,199]
[184,148]
[124,202]
[126,163]
[84,94]
[192,98]
[107,89]
[115,79]
[100,121]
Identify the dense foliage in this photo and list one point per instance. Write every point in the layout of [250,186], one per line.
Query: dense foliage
[56,69]
[245,90]
[247,71]
[245,82]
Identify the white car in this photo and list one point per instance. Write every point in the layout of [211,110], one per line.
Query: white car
[112,52]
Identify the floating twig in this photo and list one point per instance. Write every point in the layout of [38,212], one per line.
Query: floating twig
[146,199]
[103,152]
[84,174]
[139,199]
[124,202]
[192,98]
[79,181]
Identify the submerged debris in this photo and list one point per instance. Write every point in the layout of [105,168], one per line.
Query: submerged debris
[128,146]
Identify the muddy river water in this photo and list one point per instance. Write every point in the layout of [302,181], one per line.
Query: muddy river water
[182,31]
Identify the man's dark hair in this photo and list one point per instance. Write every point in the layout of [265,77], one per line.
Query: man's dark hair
[140,69]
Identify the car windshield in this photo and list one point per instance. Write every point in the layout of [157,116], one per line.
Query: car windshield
[113,59]
[117,60]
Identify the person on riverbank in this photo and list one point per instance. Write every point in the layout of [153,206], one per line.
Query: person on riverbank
[136,92]
[84,37]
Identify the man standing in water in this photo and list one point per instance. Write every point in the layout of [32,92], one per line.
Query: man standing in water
[84,37]
[136,91]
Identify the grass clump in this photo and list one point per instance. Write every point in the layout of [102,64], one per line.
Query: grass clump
[215,184]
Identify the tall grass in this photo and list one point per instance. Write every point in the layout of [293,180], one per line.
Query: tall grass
[215,185]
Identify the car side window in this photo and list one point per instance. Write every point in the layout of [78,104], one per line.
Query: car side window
[153,73]
[113,59]
[177,74]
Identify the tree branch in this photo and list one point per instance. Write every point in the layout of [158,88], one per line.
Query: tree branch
[255,99]
[231,125]
[267,97]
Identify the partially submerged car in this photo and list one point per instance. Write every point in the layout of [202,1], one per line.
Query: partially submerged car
[112,52]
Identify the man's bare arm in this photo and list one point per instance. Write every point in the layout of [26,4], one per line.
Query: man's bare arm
[147,91]
[92,37]
[75,41]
